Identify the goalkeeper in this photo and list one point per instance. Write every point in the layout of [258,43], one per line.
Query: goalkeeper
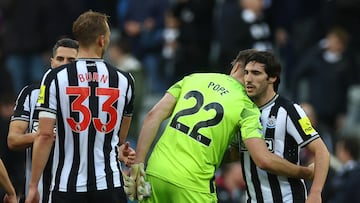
[205,111]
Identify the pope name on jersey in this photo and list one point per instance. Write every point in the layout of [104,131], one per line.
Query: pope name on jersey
[284,141]
[89,98]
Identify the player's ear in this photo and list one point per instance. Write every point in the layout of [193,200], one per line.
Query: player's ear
[52,63]
[272,79]
[235,68]
[101,40]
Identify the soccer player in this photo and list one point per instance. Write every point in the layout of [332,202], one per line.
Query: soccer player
[286,128]
[6,185]
[91,103]
[24,122]
[205,111]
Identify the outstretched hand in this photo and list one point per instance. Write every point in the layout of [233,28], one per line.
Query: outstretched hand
[127,154]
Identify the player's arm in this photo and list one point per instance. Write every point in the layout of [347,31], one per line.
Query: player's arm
[321,166]
[42,146]
[160,112]
[126,153]
[18,139]
[272,163]
[124,129]
[5,182]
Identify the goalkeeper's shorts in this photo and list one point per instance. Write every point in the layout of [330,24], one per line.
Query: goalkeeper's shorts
[163,191]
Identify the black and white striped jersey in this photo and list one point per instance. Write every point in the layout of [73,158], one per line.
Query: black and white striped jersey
[89,98]
[25,111]
[286,129]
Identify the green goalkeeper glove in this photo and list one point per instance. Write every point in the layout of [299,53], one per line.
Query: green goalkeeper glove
[143,187]
[135,185]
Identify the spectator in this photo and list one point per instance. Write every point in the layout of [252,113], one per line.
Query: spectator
[24,44]
[142,23]
[170,47]
[121,56]
[345,185]
[327,71]
[195,19]
[242,25]
[13,161]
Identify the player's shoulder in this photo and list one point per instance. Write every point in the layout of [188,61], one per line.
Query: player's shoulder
[28,89]
[31,87]
[52,72]
[210,77]
[290,106]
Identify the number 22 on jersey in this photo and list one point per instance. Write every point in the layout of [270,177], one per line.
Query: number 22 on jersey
[199,105]
[83,93]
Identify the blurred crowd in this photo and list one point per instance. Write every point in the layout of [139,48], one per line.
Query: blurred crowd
[160,41]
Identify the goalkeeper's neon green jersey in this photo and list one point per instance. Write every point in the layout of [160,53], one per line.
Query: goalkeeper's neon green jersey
[210,109]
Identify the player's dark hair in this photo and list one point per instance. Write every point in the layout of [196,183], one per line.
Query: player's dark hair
[65,42]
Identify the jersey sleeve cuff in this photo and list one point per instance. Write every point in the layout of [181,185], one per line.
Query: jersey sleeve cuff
[46,114]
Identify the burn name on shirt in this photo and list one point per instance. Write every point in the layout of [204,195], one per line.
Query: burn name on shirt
[218,88]
[92,77]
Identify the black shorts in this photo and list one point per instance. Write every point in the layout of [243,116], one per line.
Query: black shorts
[116,195]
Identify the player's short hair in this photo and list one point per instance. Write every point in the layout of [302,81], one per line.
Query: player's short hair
[272,65]
[65,42]
[243,55]
[89,26]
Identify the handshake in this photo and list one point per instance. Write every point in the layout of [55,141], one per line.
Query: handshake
[135,185]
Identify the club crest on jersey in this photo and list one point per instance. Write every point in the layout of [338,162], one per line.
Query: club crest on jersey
[271,122]
[306,126]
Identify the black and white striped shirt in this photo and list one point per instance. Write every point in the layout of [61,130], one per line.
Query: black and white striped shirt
[89,98]
[286,128]
[25,111]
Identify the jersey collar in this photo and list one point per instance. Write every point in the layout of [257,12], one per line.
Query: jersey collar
[269,102]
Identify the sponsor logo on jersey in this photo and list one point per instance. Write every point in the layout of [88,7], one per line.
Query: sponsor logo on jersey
[35,127]
[268,141]
[306,125]
[41,98]
[269,144]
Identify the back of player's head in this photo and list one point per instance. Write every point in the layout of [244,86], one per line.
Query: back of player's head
[242,56]
[89,26]
[272,65]
[65,42]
